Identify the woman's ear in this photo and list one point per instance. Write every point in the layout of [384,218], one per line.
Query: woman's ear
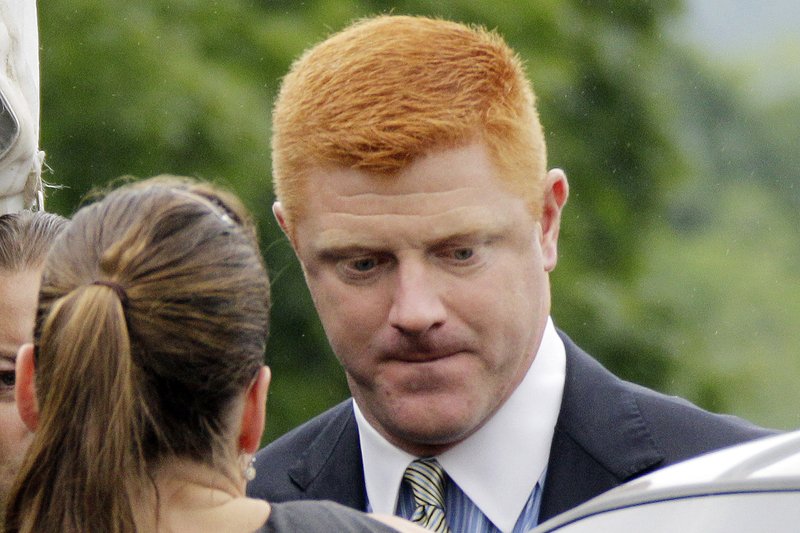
[25,387]
[254,413]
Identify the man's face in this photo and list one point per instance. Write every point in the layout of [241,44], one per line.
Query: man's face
[18,295]
[432,287]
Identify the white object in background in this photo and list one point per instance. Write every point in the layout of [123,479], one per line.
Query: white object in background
[20,157]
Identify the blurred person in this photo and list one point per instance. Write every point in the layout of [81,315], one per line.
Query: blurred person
[411,177]
[20,157]
[25,239]
[145,384]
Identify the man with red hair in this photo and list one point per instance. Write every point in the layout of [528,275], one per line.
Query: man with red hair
[411,179]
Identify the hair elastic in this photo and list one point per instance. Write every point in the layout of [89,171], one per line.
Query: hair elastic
[117,288]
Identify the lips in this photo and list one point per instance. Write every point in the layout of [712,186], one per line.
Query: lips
[423,352]
[434,346]
[422,357]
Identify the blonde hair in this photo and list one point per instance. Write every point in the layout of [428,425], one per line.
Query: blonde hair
[26,237]
[153,318]
[389,89]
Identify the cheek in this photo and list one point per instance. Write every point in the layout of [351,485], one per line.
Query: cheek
[351,316]
[13,433]
[507,305]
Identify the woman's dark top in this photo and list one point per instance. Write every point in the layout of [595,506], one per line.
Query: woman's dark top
[320,516]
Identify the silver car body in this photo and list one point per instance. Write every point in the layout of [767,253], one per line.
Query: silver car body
[752,487]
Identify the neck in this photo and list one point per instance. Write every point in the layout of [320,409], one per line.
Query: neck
[182,487]
[174,474]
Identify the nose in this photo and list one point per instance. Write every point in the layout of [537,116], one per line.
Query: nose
[417,306]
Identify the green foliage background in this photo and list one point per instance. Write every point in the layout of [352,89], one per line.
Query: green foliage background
[679,256]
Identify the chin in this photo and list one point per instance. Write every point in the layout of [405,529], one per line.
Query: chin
[434,434]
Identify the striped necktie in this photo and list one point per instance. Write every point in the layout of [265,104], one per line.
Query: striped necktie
[426,479]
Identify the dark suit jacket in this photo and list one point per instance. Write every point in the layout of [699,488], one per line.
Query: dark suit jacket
[609,431]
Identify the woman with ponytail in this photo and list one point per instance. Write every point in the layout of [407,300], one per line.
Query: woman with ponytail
[145,384]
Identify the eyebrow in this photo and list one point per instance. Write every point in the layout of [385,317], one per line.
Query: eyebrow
[335,244]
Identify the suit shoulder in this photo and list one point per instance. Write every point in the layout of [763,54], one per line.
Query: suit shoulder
[614,420]
[322,516]
[297,441]
[682,429]
[310,443]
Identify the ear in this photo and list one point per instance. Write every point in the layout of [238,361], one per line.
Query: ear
[25,388]
[254,413]
[277,210]
[555,196]
[280,216]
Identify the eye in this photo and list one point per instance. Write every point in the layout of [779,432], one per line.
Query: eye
[463,257]
[7,382]
[364,264]
[462,254]
[459,255]
[7,377]
[360,269]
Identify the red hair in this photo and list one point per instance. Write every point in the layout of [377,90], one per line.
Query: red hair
[389,89]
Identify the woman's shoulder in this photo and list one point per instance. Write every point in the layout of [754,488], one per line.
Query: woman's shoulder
[313,516]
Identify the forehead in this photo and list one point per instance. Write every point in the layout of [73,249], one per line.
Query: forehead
[18,294]
[449,192]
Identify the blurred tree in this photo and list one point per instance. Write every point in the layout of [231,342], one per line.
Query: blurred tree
[725,257]
[143,87]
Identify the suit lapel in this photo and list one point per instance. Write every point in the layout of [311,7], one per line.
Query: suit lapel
[601,439]
[331,467]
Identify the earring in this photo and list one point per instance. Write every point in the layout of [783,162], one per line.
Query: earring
[248,466]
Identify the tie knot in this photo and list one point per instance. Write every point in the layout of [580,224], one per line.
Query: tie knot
[426,479]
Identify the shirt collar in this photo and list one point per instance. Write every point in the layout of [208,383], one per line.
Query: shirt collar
[498,466]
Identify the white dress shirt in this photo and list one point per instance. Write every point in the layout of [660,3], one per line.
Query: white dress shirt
[498,466]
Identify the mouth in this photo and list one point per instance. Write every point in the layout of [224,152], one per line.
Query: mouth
[422,357]
[425,350]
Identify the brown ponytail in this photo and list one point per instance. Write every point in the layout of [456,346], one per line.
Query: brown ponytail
[94,437]
[152,318]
